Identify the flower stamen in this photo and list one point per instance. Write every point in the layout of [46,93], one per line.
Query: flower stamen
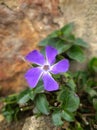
[46,67]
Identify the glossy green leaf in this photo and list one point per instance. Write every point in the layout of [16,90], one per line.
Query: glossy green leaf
[67,29]
[38,89]
[56,117]
[55,34]
[8,112]
[71,84]
[32,95]
[68,116]
[71,37]
[76,53]
[59,44]
[44,42]
[91,91]
[80,42]
[70,101]
[42,104]
[24,97]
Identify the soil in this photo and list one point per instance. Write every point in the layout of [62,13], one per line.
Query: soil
[12,126]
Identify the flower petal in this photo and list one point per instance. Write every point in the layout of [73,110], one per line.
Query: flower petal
[35,57]
[51,54]
[60,67]
[32,76]
[49,83]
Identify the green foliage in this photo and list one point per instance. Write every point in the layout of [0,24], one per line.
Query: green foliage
[78,126]
[68,116]
[10,112]
[76,53]
[76,100]
[81,42]
[22,101]
[56,117]
[24,97]
[71,84]
[69,100]
[93,64]
[29,94]
[42,104]
[65,42]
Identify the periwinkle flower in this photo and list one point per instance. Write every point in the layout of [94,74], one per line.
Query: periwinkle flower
[45,68]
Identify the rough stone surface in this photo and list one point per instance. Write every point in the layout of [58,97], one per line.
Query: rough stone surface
[40,123]
[22,25]
[84,15]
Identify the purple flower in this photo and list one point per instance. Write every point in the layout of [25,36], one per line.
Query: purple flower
[45,68]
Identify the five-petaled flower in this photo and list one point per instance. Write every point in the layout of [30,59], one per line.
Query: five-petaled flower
[45,68]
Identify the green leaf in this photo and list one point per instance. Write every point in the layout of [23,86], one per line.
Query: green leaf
[24,97]
[76,53]
[38,89]
[55,34]
[32,95]
[78,126]
[8,116]
[8,112]
[42,104]
[17,109]
[91,91]
[95,103]
[68,116]
[61,46]
[67,29]
[51,41]
[56,117]
[93,64]
[44,42]
[70,101]
[80,42]
[57,43]
[70,39]
[71,84]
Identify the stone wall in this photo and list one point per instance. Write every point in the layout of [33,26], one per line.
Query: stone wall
[24,23]
[84,15]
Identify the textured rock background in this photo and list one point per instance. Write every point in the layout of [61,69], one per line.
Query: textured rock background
[22,25]
[40,123]
[24,22]
[84,15]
